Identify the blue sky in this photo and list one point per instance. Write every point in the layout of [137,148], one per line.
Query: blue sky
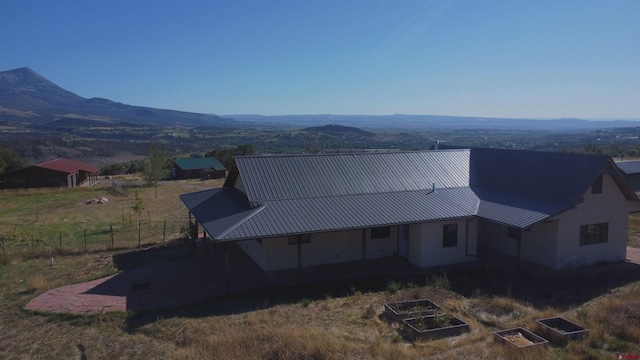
[511,58]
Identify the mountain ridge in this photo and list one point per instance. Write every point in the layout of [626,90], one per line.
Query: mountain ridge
[27,97]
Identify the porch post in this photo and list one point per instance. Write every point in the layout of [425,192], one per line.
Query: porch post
[215,254]
[364,247]
[226,265]
[518,253]
[299,240]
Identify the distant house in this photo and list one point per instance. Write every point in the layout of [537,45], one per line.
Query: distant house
[198,168]
[631,170]
[55,173]
[431,208]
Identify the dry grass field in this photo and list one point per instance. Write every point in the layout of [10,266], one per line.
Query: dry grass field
[336,320]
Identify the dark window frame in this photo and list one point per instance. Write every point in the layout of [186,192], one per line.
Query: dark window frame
[381,232]
[303,238]
[594,234]
[449,235]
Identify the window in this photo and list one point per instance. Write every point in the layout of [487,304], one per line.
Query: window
[303,238]
[382,232]
[514,233]
[594,233]
[596,187]
[450,235]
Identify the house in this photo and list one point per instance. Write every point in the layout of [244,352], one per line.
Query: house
[198,168]
[631,170]
[432,208]
[55,173]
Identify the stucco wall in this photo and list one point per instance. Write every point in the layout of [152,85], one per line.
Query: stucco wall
[556,243]
[323,248]
[255,250]
[425,243]
[608,207]
[538,244]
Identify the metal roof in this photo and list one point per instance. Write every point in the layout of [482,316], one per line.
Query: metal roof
[67,166]
[199,163]
[293,177]
[629,167]
[316,193]
[515,211]
[550,176]
[295,216]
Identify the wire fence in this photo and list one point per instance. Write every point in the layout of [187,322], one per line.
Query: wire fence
[33,240]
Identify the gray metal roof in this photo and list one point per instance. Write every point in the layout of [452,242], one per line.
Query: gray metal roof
[302,176]
[550,176]
[315,193]
[629,167]
[295,216]
[515,211]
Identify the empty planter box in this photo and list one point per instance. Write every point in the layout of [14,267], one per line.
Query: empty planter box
[434,327]
[519,337]
[401,310]
[560,330]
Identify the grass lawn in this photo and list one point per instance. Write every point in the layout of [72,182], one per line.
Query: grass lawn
[338,320]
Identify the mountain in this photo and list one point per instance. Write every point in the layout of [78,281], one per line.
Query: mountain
[27,97]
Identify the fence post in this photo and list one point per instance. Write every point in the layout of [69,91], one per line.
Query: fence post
[111,229]
[32,238]
[85,240]
[60,237]
[164,230]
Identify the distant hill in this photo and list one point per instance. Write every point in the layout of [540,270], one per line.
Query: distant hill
[436,122]
[27,97]
[339,130]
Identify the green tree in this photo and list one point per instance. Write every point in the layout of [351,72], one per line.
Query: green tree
[227,156]
[154,167]
[138,207]
[10,161]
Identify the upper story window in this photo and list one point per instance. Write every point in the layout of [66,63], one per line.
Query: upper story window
[596,187]
[450,235]
[382,232]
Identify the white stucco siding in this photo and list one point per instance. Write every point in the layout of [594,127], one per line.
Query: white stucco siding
[325,248]
[610,207]
[238,184]
[255,250]
[495,237]
[426,243]
[383,247]
[280,255]
[539,244]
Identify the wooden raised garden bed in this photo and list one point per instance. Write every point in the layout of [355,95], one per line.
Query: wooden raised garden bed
[434,327]
[560,330]
[399,311]
[519,337]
